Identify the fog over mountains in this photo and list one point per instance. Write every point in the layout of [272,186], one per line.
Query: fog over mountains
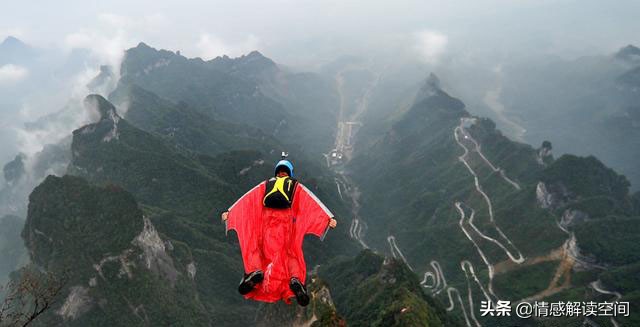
[461,167]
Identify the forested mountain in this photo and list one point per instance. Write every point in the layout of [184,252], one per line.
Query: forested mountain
[297,108]
[470,209]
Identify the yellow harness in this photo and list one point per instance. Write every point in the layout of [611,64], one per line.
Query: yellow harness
[278,186]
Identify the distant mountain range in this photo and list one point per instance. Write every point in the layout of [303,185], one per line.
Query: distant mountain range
[249,90]
[587,106]
[14,51]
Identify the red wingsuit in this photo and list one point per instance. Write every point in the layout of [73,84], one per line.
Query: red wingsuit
[271,239]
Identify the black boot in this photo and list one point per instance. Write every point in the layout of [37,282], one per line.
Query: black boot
[250,281]
[300,291]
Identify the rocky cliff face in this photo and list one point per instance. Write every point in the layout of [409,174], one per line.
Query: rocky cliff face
[99,239]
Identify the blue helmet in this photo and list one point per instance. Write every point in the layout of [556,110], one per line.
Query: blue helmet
[285,163]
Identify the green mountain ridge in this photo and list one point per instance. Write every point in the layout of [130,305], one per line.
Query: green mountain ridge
[200,84]
[458,199]
[249,90]
[370,290]
[181,192]
[186,126]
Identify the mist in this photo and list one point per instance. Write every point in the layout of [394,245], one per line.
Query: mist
[466,43]
[309,31]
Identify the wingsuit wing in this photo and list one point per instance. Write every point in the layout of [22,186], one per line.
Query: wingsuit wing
[311,215]
[245,217]
[307,216]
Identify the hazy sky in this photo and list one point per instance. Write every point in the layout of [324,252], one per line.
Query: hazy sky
[303,31]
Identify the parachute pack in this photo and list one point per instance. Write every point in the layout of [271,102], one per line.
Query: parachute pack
[279,192]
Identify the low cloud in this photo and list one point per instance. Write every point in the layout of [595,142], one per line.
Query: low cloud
[105,41]
[12,31]
[113,34]
[431,45]
[10,74]
[210,46]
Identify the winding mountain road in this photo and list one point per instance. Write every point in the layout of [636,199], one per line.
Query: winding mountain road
[466,266]
[597,286]
[395,251]
[480,252]
[463,158]
[348,125]
[451,306]
[440,282]
[469,292]
[478,149]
